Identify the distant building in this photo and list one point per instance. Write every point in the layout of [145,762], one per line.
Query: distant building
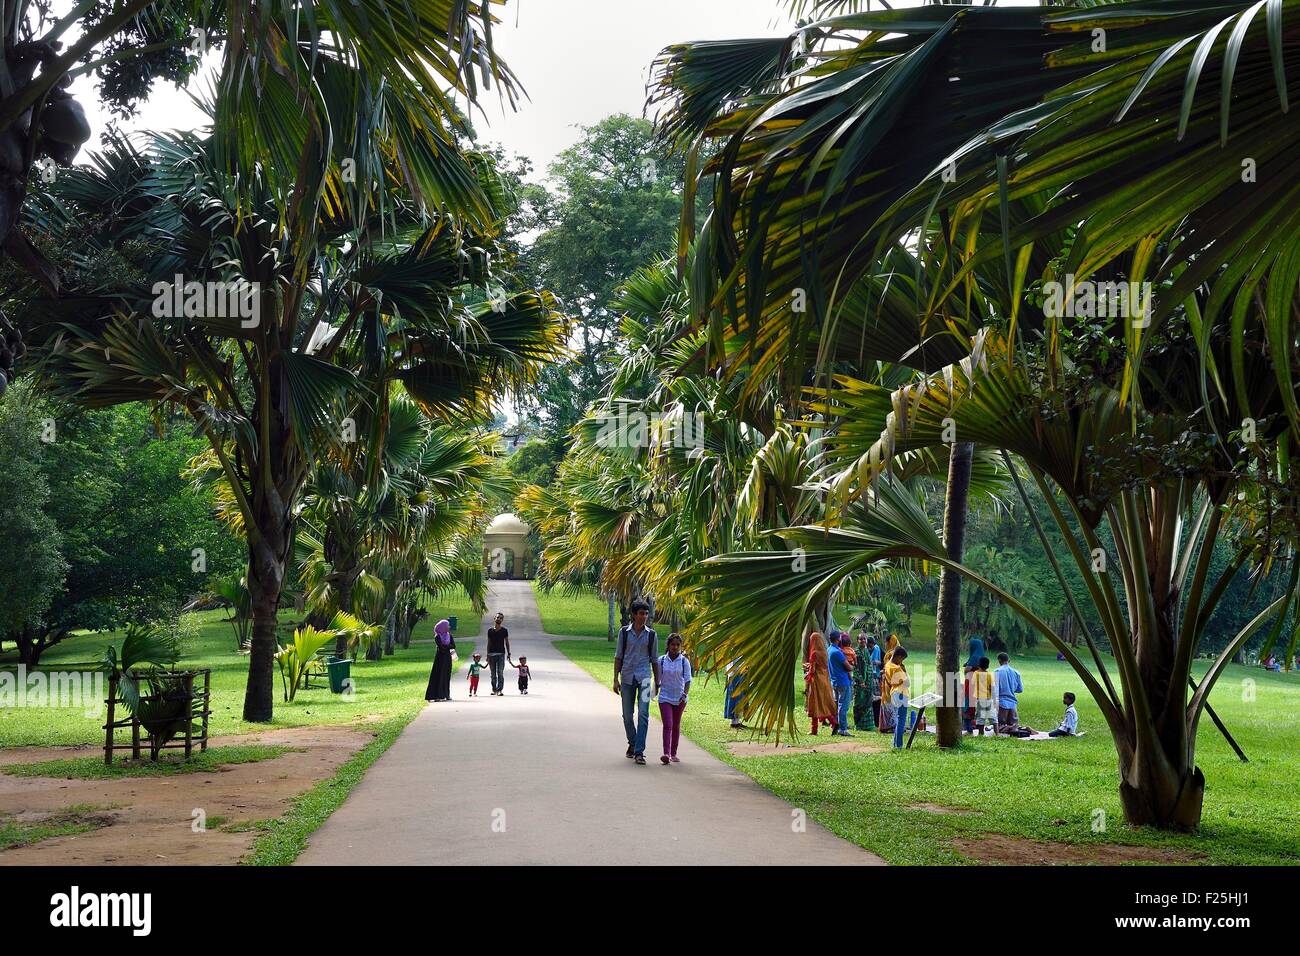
[505,548]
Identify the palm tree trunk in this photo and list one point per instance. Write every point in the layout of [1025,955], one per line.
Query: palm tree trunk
[613,614]
[1159,790]
[268,557]
[390,632]
[345,604]
[265,580]
[947,635]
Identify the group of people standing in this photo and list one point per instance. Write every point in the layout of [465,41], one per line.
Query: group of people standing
[874,682]
[864,684]
[867,679]
[498,655]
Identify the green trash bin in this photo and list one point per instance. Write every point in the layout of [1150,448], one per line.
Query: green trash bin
[452,621]
[340,669]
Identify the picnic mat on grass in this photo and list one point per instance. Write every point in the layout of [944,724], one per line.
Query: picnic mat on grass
[1036,735]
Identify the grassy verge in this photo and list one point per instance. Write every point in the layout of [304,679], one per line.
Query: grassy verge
[81,818]
[282,839]
[169,764]
[1051,790]
[582,615]
[382,688]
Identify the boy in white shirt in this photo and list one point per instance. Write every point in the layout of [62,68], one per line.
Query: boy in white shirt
[1070,722]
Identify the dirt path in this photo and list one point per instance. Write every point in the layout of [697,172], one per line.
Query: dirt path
[542,779]
[150,820]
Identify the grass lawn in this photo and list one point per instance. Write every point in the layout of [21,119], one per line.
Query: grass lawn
[582,615]
[1046,790]
[383,689]
[390,690]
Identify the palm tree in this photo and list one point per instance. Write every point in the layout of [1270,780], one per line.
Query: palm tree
[315,99]
[822,132]
[647,487]
[1166,493]
[405,490]
[1044,164]
[335,299]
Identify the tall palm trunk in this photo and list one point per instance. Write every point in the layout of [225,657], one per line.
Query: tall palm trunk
[266,568]
[276,482]
[346,587]
[1160,784]
[1158,788]
[947,634]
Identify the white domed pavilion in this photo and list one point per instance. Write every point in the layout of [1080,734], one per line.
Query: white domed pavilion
[505,548]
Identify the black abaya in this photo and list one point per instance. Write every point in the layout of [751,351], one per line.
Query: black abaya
[440,679]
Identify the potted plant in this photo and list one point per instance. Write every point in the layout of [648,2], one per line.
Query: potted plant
[161,700]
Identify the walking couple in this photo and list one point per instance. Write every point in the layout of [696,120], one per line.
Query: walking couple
[640,672]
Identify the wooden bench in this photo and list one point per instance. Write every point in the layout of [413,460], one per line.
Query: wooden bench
[318,667]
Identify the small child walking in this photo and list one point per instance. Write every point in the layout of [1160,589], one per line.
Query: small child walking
[674,685]
[475,669]
[524,673]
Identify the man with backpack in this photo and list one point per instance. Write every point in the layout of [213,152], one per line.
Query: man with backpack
[636,661]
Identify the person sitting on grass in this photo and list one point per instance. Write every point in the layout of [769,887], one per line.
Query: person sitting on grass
[525,673]
[1070,722]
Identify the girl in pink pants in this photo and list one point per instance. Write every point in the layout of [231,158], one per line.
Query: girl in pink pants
[674,684]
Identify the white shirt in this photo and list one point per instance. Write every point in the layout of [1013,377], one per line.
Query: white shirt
[674,675]
[1070,723]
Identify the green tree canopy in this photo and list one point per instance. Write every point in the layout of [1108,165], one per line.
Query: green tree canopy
[616,206]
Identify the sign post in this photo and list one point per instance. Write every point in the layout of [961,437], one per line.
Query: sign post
[919,704]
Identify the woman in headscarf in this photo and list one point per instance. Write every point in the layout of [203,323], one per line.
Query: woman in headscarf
[445,649]
[821,701]
[976,652]
[886,707]
[889,647]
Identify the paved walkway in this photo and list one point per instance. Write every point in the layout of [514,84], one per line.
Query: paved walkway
[542,779]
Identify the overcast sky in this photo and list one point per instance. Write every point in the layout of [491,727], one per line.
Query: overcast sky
[578,61]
